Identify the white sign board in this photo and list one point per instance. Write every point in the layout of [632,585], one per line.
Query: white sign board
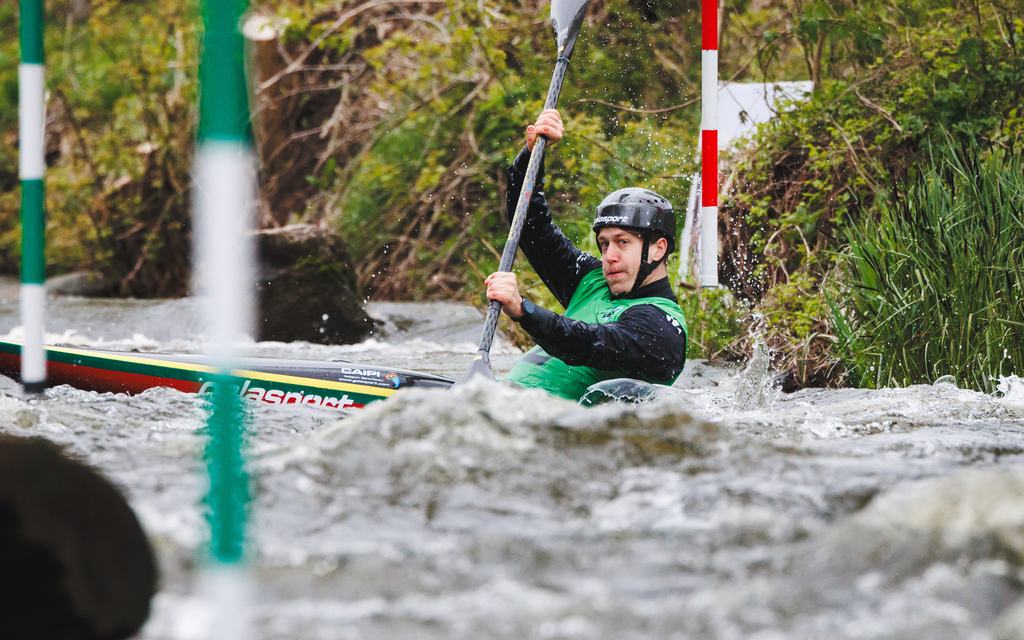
[744,105]
[741,107]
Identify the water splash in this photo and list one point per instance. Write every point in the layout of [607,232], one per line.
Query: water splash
[754,385]
[1011,390]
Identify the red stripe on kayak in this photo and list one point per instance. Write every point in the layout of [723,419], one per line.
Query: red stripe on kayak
[10,364]
[83,376]
[95,379]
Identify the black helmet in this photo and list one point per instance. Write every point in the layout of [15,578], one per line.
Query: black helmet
[638,209]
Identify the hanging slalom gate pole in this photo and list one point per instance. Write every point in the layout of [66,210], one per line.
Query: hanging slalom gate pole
[709,145]
[31,168]
[224,197]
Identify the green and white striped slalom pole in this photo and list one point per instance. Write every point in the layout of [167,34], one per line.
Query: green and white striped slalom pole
[224,198]
[31,167]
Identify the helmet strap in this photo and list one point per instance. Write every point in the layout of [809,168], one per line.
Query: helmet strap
[646,268]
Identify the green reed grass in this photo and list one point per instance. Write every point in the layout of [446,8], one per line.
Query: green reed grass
[934,285]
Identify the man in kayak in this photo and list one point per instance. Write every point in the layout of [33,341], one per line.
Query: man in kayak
[621,319]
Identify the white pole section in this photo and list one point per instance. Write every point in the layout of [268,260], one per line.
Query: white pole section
[709,145]
[31,167]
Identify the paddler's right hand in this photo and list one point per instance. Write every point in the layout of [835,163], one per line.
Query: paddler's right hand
[503,287]
[549,124]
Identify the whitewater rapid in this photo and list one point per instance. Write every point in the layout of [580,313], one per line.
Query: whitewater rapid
[493,512]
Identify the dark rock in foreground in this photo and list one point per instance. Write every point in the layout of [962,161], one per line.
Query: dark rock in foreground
[307,289]
[75,563]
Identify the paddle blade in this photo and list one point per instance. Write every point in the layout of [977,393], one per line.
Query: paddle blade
[566,19]
[481,366]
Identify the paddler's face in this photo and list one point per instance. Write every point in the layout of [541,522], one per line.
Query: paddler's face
[620,257]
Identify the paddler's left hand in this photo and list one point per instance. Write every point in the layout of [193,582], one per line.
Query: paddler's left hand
[502,286]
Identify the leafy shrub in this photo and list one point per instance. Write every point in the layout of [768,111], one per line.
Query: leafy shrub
[825,163]
[120,128]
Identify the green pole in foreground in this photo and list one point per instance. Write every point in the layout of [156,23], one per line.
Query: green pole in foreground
[223,202]
[31,167]
[228,499]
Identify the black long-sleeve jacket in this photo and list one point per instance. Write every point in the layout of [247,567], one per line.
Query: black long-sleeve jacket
[644,343]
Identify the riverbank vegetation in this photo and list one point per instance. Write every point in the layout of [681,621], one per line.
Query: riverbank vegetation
[393,120]
[933,286]
[120,124]
[894,81]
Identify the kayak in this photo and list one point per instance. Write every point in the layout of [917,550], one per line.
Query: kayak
[329,385]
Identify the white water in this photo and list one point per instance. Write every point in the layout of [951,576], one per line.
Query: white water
[492,512]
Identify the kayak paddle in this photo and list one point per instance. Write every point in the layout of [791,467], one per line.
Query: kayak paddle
[566,19]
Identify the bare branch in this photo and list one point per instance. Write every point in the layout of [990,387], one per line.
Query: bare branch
[339,22]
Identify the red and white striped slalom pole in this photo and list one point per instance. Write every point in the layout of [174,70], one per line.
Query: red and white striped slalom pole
[709,145]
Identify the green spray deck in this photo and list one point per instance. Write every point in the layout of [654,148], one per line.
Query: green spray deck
[328,385]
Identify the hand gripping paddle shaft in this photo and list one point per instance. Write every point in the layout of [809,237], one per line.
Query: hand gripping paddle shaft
[566,18]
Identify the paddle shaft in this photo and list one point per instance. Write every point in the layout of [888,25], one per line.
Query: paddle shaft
[508,255]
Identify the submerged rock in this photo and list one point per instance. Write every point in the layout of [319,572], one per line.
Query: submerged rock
[307,289]
[88,284]
[956,542]
[969,516]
